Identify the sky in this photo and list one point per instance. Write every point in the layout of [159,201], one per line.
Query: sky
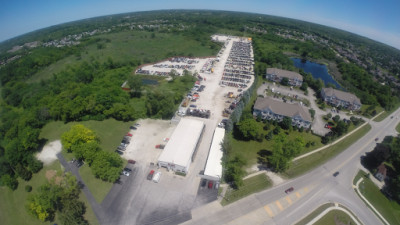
[375,19]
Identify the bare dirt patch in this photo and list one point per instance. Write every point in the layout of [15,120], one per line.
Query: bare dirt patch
[49,152]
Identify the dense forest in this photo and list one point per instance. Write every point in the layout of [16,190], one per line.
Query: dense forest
[90,89]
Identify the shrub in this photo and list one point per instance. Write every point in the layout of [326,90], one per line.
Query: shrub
[28,188]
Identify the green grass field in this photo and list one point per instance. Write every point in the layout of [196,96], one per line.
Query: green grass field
[398,128]
[390,210]
[248,149]
[129,46]
[12,204]
[334,217]
[251,185]
[386,113]
[110,131]
[315,213]
[305,164]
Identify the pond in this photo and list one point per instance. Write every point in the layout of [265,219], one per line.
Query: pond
[316,70]
[149,82]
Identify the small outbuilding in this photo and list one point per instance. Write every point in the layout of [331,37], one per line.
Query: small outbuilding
[179,151]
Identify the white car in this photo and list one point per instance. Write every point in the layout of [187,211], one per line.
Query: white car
[126,173]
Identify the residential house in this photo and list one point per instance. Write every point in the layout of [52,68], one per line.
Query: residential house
[275,110]
[276,75]
[340,98]
[381,173]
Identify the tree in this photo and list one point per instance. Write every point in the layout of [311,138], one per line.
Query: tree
[107,166]
[78,134]
[336,118]
[86,151]
[285,81]
[9,181]
[135,83]
[249,129]
[286,123]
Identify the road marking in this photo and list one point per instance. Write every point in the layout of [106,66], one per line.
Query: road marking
[298,194]
[268,210]
[289,200]
[277,203]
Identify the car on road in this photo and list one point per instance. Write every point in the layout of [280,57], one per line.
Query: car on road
[335,174]
[150,175]
[129,135]
[156,177]
[127,169]
[289,190]
[136,125]
[133,128]
[376,139]
[131,161]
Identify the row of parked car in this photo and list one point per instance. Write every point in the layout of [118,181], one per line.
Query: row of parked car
[126,140]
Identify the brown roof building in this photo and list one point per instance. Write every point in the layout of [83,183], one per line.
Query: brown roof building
[276,75]
[275,110]
[340,98]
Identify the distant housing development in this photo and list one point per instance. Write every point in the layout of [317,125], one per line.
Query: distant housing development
[275,110]
[277,75]
[178,153]
[340,98]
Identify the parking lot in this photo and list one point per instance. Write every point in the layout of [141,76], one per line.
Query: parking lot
[137,200]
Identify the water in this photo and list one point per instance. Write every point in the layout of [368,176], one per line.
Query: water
[149,82]
[317,71]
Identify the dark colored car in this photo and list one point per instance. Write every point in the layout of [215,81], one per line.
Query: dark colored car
[133,128]
[203,182]
[289,190]
[376,139]
[119,152]
[336,173]
[151,174]
[131,161]
[127,169]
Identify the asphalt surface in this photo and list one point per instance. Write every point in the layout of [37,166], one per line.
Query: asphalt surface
[274,206]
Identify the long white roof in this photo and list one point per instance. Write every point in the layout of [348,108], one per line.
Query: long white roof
[214,160]
[182,143]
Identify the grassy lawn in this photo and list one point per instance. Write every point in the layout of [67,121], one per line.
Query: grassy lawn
[390,210]
[12,204]
[398,128]
[98,187]
[334,217]
[129,46]
[251,185]
[386,113]
[248,150]
[305,164]
[365,112]
[110,131]
[315,213]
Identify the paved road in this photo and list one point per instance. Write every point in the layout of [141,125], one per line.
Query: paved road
[317,187]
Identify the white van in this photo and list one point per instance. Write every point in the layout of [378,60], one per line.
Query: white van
[156,177]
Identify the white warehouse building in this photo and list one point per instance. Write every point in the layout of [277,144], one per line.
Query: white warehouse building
[213,170]
[179,151]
